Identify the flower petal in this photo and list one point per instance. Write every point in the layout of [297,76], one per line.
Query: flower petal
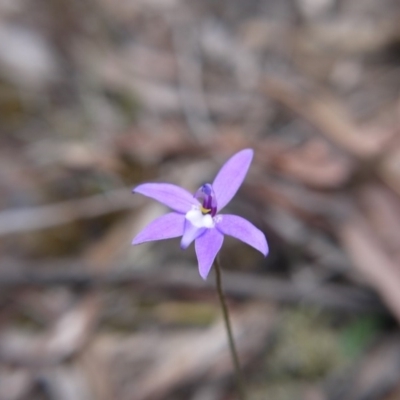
[191,232]
[207,246]
[231,176]
[168,226]
[243,230]
[172,196]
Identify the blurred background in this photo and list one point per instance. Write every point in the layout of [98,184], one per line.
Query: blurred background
[97,96]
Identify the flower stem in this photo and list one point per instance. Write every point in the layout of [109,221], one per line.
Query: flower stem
[232,348]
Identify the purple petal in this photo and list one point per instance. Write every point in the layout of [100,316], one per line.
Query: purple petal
[191,232]
[231,176]
[243,230]
[172,196]
[207,246]
[168,226]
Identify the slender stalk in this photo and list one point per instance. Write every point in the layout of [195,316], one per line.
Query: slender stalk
[232,348]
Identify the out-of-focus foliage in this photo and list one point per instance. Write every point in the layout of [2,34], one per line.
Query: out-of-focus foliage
[97,96]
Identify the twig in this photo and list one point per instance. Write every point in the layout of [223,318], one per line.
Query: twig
[330,118]
[237,284]
[35,218]
[372,261]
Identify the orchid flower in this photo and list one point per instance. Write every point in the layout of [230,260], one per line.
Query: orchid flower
[196,217]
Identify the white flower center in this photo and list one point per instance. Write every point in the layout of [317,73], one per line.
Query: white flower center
[198,219]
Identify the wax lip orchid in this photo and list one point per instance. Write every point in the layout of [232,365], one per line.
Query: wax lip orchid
[195,217]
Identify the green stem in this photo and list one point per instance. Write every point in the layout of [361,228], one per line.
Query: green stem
[232,348]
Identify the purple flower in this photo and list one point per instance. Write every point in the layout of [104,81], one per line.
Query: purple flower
[196,217]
